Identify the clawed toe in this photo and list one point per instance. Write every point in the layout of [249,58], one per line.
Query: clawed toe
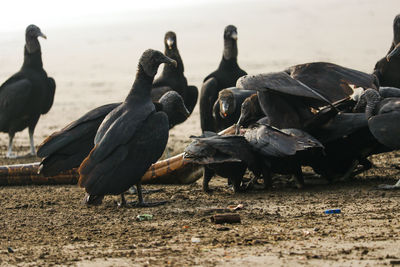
[388,187]
[133,191]
[11,155]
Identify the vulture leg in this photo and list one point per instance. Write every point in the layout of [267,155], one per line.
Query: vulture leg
[207,175]
[254,184]
[141,202]
[365,166]
[348,174]
[123,201]
[132,191]
[33,151]
[237,182]
[389,187]
[298,177]
[10,154]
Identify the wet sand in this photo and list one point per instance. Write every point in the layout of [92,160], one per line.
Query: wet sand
[95,63]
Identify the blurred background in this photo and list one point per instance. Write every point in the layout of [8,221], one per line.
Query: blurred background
[93,47]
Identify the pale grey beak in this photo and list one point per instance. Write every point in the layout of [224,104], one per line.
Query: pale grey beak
[42,35]
[170,42]
[224,110]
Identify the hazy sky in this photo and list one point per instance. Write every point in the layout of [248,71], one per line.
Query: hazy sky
[17,14]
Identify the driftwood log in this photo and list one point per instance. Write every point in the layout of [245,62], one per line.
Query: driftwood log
[173,170]
[26,174]
[225,218]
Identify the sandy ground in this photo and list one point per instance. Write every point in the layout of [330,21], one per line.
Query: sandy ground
[94,64]
[47,225]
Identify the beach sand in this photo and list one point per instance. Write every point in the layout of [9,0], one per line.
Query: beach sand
[94,63]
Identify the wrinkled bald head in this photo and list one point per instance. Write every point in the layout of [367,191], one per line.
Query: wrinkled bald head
[230,44]
[174,107]
[170,40]
[151,60]
[227,103]
[249,112]
[33,32]
[230,32]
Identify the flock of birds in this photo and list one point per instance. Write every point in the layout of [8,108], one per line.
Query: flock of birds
[317,114]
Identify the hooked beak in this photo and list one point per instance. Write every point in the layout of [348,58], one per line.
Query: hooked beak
[395,52]
[171,61]
[42,35]
[234,36]
[170,42]
[224,110]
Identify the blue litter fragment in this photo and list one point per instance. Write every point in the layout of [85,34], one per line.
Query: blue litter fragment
[332,211]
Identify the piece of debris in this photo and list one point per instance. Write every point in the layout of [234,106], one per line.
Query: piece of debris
[306,233]
[395,262]
[233,207]
[195,240]
[144,217]
[223,229]
[226,218]
[10,250]
[332,211]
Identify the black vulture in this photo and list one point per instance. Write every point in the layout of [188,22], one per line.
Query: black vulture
[261,148]
[130,138]
[68,147]
[226,110]
[227,156]
[348,142]
[250,112]
[283,151]
[173,105]
[338,132]
[383,114]
[172,78]
[225,76]
[290,98]
[27,94]
[387,69]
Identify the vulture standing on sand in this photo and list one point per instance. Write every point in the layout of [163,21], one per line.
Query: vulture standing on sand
[227,156]
[296,98]
[382,109]
[261,148]
[67,148]
[27,94]
[388,68]
[172,78]
[225,76]
[129,140]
